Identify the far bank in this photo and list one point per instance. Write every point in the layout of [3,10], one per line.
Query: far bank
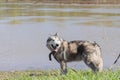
[67,1]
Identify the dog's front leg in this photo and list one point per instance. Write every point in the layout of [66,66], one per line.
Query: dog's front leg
[63,66]
[52,53]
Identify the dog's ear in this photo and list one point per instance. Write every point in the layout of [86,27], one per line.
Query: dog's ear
[56,34]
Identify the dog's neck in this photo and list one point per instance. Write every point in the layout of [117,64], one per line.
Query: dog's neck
[64,45]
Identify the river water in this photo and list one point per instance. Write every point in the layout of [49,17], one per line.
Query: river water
[24,28]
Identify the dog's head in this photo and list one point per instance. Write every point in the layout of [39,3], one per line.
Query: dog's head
[54,42]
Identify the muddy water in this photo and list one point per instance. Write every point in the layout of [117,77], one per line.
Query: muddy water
[24,29]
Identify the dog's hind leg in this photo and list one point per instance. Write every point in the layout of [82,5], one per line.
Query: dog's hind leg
[96,66]
[63,66]
[92,66]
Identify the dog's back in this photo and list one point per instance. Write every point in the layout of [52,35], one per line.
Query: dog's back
[89,52]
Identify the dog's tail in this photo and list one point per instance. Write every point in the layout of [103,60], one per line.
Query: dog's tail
[111,67]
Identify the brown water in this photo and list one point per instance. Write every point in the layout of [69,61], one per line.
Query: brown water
[24,28]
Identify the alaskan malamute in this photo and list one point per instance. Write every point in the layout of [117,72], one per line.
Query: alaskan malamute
[77,50]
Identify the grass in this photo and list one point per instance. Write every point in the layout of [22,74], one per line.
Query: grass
[54,75]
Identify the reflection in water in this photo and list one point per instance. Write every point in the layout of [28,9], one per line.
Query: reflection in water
[25,27]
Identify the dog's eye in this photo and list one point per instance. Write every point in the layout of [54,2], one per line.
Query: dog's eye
[48,40]
[57,45]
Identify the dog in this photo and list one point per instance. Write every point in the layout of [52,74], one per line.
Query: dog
[77,50]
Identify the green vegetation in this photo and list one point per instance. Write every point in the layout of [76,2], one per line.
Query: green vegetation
[54,75]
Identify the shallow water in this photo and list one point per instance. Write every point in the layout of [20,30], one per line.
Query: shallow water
[24,28]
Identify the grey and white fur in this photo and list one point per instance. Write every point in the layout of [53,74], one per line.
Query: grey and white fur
[77,50]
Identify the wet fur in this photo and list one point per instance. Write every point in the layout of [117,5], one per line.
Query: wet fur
[50,54]
[85,51]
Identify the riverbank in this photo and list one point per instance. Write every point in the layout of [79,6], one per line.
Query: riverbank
[54,75]
[67,1]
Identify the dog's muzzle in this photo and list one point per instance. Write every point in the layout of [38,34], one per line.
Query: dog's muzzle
[54,47]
